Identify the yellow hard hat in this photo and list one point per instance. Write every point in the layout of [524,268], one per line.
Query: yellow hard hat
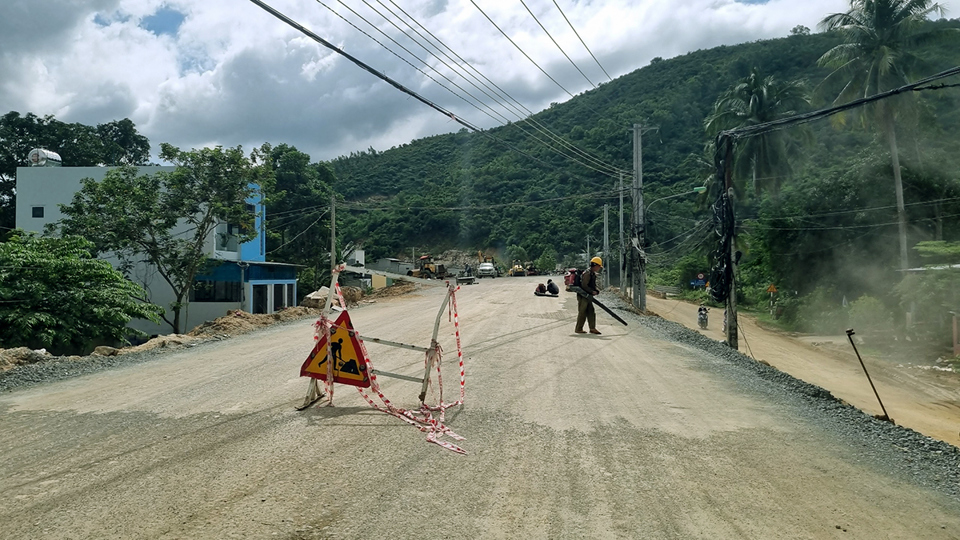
[597,261]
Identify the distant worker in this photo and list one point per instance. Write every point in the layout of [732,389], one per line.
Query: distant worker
[585,309]
[552,287]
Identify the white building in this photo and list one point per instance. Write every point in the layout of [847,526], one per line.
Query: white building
[240,277]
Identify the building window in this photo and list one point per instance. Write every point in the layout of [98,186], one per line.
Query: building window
[215,291]
[291,301]
[37,211]
[226,237]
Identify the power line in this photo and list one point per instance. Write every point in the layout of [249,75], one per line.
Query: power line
[839,227]
[856,211]
[390,81]
[521,50]
[499,91]
[605,168]
[375,40]
[298,235]
[581,40]
[360,206]
[557,44]
[363,65]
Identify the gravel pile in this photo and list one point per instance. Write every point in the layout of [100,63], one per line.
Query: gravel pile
[923,460]
[56,368]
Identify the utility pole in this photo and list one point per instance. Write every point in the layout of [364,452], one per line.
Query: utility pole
[732,334]
[637,255]
[333,233]
[333,253]
[606,247]
[620,280]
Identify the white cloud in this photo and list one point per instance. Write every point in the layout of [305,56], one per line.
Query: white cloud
[233,74]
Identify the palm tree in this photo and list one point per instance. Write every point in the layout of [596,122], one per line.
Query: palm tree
[757,100]
[876,56]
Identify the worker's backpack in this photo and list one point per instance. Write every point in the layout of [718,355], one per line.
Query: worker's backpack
[572,277]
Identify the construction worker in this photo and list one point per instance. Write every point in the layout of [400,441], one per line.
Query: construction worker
[585,310]
[552,287]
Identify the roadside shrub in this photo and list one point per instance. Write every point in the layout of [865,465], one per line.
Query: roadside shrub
[868,315]
[822,312]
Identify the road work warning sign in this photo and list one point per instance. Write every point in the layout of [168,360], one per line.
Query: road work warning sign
[345,350]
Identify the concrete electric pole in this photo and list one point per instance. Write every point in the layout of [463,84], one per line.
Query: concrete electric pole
[637,255]
[620,281]
[606,247]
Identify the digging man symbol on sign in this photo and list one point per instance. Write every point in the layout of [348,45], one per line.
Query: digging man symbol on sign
[348,367]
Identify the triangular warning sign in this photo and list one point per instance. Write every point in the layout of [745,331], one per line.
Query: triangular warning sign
[348,363]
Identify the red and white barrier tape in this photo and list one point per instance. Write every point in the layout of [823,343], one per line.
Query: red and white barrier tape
[423,419]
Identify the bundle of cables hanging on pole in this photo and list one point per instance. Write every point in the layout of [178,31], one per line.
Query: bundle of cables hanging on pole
[721,275]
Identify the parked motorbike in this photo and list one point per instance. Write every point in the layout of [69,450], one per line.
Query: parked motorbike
[702,317]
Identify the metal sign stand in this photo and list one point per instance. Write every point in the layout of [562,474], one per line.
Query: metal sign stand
[314,394]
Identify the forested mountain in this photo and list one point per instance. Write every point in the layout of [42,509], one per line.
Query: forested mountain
[484,190]
[476,170]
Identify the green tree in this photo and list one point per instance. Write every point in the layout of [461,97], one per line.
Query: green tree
[547,262]
[516,253]
[880,38]
[756,99]
[79,145]
[54,294]
[298,212]
[167,218]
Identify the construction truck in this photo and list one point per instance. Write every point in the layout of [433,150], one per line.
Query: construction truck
[427,268]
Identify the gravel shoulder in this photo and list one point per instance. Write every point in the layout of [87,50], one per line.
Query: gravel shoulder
[924,400]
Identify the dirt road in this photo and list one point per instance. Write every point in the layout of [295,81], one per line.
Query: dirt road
[625,435]
[923,400]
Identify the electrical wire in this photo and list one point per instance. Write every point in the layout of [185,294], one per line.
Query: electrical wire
[581,40]
[359,206]
[392,82]
[488,84]
[839,227]
[574,64]
[378,42]
[604,168]
[858,210]
[299,235]
[521,50]
[783,123]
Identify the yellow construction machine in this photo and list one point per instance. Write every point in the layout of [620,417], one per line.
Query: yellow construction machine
[427,268]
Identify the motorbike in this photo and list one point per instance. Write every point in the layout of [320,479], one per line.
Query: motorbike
[702,317]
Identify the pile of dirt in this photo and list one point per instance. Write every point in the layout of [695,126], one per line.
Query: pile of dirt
[10,358]
[159,342]
[457,259]
[238,322]
[318,299]
[398,288]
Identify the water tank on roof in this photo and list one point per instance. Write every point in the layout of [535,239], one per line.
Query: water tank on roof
[38,157]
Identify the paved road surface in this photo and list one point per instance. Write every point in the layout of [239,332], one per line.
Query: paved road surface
[624,435]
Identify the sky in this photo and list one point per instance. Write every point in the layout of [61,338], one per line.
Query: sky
[227,72]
